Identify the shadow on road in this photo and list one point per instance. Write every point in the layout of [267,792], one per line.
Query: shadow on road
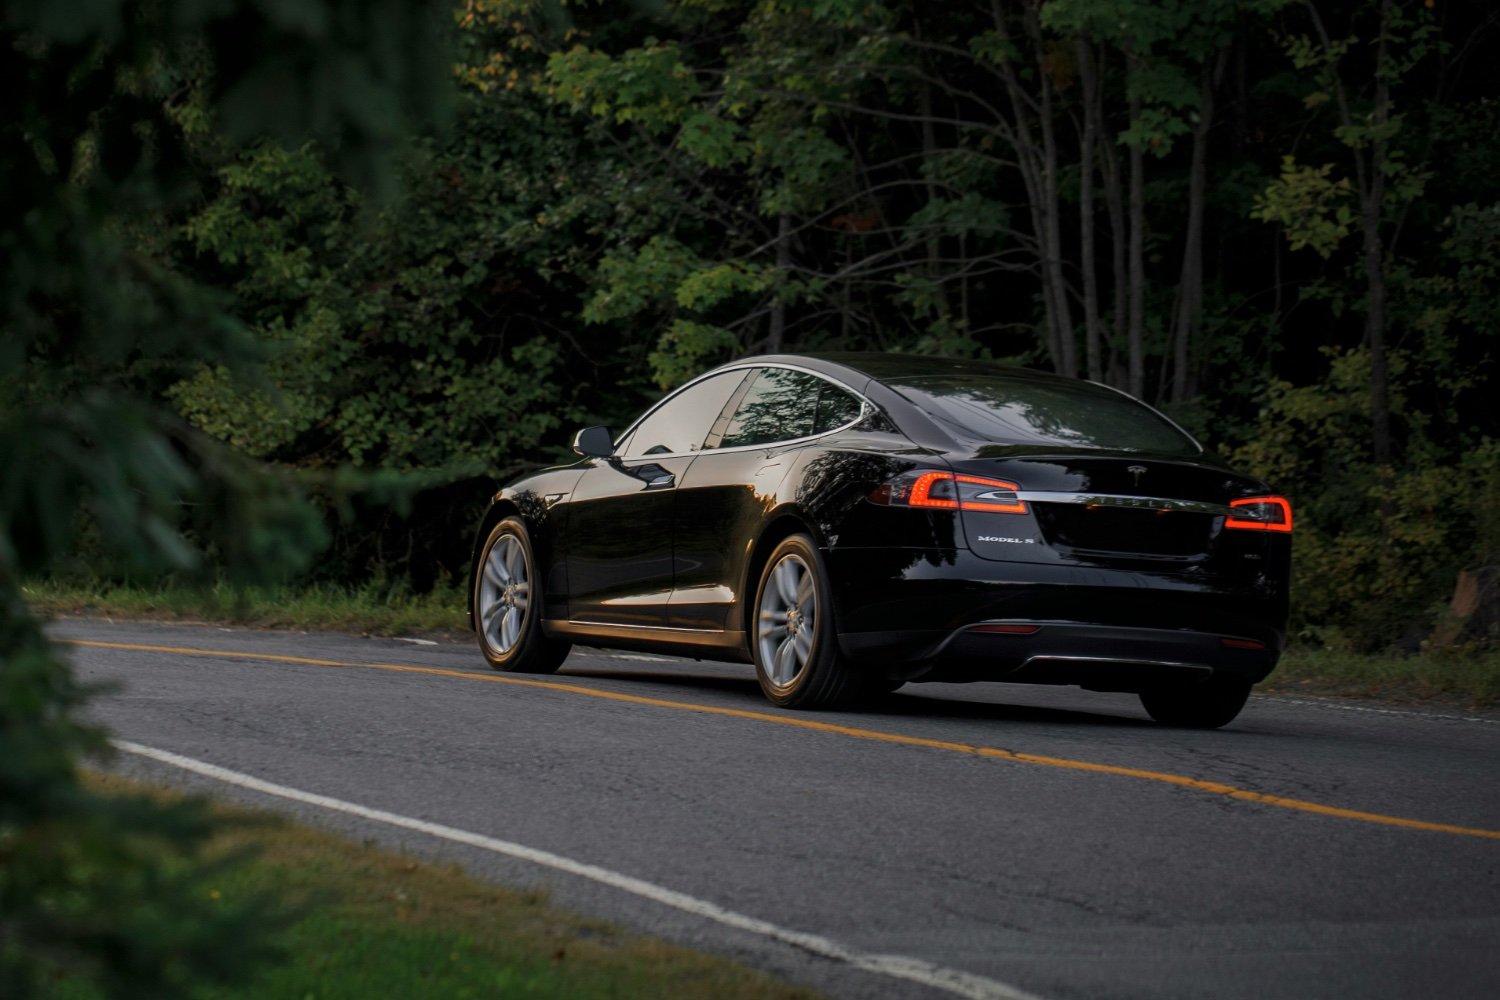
[909,703]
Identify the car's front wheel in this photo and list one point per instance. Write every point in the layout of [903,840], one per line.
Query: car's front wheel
[796,650]
[1208,705]
[508,605]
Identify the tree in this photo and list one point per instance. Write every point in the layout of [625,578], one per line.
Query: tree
[1401,36]
[93,156]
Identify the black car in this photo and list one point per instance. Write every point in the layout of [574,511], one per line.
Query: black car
[852,522]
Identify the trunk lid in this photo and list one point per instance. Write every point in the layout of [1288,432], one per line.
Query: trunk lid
[1124,510]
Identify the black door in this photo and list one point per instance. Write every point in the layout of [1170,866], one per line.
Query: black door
[732,486]
[618,543]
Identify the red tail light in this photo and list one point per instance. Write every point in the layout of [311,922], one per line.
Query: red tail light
[950,491]
[1260,514]
[1005,629]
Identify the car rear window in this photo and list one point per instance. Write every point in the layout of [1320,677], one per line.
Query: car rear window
[1024,411]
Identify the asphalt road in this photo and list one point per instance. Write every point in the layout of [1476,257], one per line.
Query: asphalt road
[1001,840]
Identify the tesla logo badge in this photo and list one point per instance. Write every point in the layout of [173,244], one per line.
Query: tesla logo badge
[1137,471]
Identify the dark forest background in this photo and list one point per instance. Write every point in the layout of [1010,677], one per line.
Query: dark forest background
[1278,220]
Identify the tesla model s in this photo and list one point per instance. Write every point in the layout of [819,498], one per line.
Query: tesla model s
[848,523]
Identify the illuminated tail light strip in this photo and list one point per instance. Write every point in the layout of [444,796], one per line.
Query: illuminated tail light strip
[946,491]
[1260,514]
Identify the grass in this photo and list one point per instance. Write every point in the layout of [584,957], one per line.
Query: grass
[377,924]
[375,609]
[1471,678]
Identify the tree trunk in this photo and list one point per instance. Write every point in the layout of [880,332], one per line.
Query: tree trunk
[1093,335]
[1136,332]
[777,333]
[1371,174]
[1373,204]
[1190,297]
[1030,162]
[934,241]
[1114,200]
[1066,361]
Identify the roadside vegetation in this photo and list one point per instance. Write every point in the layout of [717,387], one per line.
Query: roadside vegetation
[1468,678]
[356,921]
[374,608]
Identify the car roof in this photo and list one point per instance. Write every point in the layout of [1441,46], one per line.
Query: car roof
[881,377]
[898,369]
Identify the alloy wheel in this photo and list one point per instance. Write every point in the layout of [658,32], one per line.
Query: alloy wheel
[504,594]
[788,620]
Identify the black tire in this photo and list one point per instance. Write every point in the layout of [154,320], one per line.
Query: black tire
[1208,705]
[507,617]
[792,634]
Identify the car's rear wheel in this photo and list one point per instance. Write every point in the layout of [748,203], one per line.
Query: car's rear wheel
[796,650]
[508,605]
[1208,705]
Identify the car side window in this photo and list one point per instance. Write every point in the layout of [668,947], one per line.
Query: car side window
[682,422]
[835,408]
[782,404]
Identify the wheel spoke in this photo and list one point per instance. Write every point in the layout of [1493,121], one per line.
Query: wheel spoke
[515,562]
[488,613]
[803,645]
[492,624]
[786,580]
[510,627]
[805,593]
[786,662]
[776,616]
[494,572]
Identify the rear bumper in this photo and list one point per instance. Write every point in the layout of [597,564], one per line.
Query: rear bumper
[1103,658]
[908,615]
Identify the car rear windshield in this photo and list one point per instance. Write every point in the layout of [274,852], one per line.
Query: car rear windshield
[1001,410]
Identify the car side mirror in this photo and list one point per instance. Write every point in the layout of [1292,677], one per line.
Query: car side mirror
[594,442]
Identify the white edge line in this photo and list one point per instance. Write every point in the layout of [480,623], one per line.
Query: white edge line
[963,984]
[1372,710]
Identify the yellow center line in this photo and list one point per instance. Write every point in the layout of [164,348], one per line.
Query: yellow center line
[1182,781]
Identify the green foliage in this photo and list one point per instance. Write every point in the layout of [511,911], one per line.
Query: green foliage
[109,108]
[648,85]
[1377,550]
[686,349]
[1313,209]
[338,294]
